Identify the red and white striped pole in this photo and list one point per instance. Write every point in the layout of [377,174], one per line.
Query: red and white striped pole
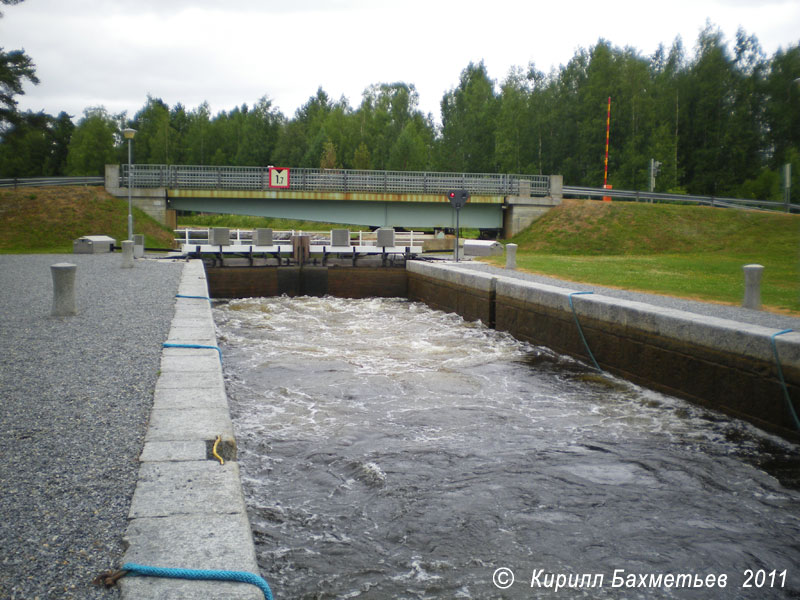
[605,169]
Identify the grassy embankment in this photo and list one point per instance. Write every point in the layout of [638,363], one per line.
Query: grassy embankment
[48,220]
[687,251]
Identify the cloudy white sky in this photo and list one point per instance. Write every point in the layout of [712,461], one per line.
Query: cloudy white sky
[113,53]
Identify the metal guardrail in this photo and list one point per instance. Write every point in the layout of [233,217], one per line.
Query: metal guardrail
[722,202]
[201,235]
[334,180]
[49,181]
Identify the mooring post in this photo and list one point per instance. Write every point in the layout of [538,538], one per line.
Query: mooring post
[127,254]
[752,286]
[138,245]
[63,289]
[301,248]
[511,256]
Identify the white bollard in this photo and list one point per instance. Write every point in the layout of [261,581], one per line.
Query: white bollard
[63,289]
[138,245]
[752,286]
[127,254]
[511,256]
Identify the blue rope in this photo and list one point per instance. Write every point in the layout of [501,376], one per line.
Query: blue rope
[201,575]
[580,330]
[171,345]
[196,297]
[780,376]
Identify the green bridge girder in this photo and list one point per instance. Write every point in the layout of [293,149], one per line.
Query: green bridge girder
[356,208]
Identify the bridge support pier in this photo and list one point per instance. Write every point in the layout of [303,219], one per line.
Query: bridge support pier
[153,201]
[521,211]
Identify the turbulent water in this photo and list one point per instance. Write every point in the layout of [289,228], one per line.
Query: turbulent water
[392,451]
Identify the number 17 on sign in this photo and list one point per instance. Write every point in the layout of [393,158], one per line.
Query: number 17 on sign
[278,177]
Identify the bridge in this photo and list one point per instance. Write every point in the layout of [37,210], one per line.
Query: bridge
[371,198]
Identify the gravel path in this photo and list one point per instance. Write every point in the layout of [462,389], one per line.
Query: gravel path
[76,396]
[722,311]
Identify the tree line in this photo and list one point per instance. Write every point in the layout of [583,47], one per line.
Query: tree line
[721,121]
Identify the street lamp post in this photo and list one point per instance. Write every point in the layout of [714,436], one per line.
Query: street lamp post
[787,175]
[129,133]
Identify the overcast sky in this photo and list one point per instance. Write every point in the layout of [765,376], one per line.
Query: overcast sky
[113,53]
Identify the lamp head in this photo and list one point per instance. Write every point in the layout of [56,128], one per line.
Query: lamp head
[129,133]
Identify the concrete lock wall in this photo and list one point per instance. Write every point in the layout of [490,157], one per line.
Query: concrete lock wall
[718,363]
[468,293]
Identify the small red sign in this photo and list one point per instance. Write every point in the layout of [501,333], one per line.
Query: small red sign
[279,177]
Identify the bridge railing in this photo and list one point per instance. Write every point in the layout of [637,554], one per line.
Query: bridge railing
[334,180]
[49,181]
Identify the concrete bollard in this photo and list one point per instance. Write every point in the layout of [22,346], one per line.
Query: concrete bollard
[511,256]
[262,236]
[63,289]
[127,254]
[138,245]
[340,237]
[752,286]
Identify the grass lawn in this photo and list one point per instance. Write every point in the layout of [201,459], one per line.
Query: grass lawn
[686,251]
[715,278]
[47,220]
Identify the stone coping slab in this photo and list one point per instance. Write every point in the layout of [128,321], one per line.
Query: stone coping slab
[188,510]
[194,543]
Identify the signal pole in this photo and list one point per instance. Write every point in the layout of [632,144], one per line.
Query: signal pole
[655,169]
[458,198]
[605,164]
[787,186]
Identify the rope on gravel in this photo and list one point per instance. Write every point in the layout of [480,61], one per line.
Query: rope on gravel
[109,579]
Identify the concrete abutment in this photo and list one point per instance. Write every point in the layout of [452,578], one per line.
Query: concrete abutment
[521,211]
[152,201]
